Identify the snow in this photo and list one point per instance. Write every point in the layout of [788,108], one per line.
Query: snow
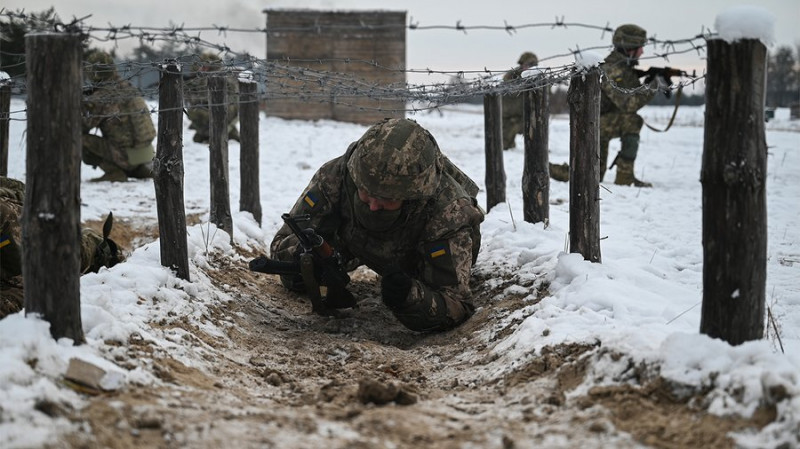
[585,60]
[746,22]
[642,301]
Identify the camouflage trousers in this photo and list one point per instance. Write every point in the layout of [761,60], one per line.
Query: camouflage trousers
[200,118]
[512,125]
[98,151]
[618,125]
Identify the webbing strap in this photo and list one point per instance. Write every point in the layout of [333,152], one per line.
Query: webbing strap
[674,112]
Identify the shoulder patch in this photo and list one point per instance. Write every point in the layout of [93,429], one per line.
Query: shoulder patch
[439,267]
[311,199]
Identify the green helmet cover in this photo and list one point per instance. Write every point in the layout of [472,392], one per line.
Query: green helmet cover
[629,36]
[396,159]
[528,58]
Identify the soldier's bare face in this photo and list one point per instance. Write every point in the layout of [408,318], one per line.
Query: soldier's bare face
[375,203]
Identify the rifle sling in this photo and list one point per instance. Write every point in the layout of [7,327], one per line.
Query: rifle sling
[674,112]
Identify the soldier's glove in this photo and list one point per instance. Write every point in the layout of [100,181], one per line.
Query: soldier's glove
[395,287]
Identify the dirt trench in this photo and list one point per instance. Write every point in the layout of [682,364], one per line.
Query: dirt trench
[284,378]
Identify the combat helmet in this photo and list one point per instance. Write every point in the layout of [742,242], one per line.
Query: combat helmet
[528,59]
[396,159]
[207,62]
[629,36]
[99,66]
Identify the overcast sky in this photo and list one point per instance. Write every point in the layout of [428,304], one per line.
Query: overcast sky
[447,49]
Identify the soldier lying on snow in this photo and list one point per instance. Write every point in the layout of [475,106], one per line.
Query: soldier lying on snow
[96,250]
[394,203]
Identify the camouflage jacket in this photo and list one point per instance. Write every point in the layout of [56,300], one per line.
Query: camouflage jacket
[120,112]
[619,74]
[512,102]
[195,95]
[436,240]
[12,195]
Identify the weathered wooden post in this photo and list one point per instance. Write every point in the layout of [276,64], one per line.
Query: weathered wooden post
[168,171]
[220,213]
[535,174]
[493,137]
[583,97]
[249,191]
[51,215]
[734,176]
[5,117]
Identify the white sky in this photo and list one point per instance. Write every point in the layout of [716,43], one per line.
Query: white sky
[448,49]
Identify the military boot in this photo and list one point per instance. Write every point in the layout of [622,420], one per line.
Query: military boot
[625,174]
[559,172]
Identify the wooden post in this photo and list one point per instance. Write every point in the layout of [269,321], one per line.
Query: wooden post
[249,194]
[168,171]
[51,213]
[535,174]
[5,117]
[734,176]
[583,97]
[493,136]
[220,213]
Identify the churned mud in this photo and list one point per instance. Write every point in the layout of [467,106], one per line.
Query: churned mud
[281,377]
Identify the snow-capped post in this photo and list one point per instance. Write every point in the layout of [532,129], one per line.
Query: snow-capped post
[168,171]
[733,175]
[51,213]
[5,116]
[493,138]
[249,194]
[220,213]
[535,136]
[583,97]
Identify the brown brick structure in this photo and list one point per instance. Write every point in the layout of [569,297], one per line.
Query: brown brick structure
[352,50]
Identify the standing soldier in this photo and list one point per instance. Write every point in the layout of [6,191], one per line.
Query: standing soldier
[512,103]
[621,98]
[512,113]
[124,147]
[395,203]
[196,98]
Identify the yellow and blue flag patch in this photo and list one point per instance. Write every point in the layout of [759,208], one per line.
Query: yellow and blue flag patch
[438,251]
[310,199]
[4,240]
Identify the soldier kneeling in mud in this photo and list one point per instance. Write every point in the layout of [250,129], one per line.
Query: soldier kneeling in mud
[96,250]
[395,203]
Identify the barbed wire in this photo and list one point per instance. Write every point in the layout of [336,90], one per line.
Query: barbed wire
[308,80]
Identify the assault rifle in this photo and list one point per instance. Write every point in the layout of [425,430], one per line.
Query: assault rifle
[665,74]
[318,264]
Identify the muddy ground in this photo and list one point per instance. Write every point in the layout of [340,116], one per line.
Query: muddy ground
[284,378]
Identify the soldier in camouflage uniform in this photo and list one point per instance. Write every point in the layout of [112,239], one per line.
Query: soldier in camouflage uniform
[124,147]
[618,117]
[512,113]
[512,103]
[395,203]
[196,98]
[96,251]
